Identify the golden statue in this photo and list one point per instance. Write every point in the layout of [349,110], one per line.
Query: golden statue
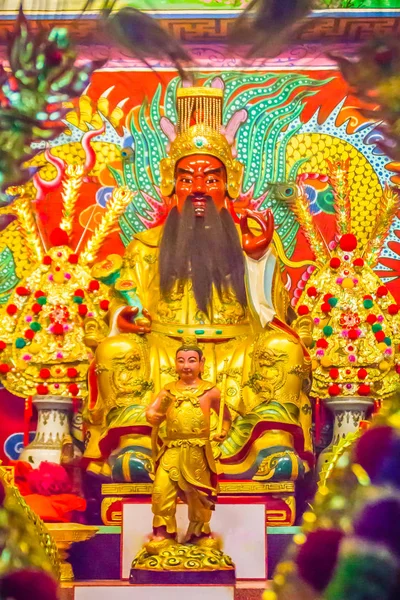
[207,274]
[185,464]
[185,467]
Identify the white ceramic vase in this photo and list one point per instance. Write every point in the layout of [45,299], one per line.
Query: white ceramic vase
[54,415]
[348,412]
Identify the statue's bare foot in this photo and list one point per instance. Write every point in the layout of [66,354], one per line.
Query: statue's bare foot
[206,541]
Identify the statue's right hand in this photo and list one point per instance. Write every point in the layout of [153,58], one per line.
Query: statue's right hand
[126,321]
[154,418]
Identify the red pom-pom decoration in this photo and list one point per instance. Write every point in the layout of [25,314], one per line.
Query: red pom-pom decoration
[47,260]
[3,345]
[73,389]
[334,389]
[322,343]
[371,319]
[327,297]
[334,373]
[104,304]
[4,368]
[312,291]
[30,583]
[36,308]
[358,262]
[11,309]
[22,291]
[317,557]
[73,259]
[44,373]
[325,307]
[382,291]
[362,373]
[94,285]
[348,242]
[82,309]
[79,293]
[59,237]
[29,334]
[393,309]
[58,329]
[72,372]
[397,369]
[303,310]
[380,336]
[334,262]
[352,335]
[364,389]
[39,294]
[42,389]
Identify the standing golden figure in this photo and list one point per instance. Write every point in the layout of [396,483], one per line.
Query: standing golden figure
[208,274]
[185,468]
[185,464]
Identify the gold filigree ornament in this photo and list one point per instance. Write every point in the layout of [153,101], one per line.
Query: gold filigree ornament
[45,351]
[53,311]
[199,132]
[356,334]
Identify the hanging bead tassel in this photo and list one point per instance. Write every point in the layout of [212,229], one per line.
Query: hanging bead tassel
[27,419]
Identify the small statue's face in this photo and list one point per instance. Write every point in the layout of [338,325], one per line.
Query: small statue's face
[188,364]
[200,176]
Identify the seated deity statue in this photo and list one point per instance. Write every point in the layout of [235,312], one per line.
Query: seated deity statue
[207,275]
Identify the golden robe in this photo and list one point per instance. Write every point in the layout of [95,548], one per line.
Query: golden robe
[185,465]
[266,361]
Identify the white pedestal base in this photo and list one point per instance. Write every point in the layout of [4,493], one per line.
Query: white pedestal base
[153,592]
[242,528]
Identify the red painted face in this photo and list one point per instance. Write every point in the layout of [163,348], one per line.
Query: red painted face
[200,175]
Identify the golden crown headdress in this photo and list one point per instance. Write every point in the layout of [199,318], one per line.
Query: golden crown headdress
[199,132]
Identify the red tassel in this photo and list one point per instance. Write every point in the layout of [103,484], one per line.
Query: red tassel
[377,406]
[317,420]
[27,419]
[76,403]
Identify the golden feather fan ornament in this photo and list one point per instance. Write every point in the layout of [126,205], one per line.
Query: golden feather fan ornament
[389,205]
[301,209]
[121,198]
[338,177]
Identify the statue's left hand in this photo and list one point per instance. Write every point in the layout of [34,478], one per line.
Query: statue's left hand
[256,246]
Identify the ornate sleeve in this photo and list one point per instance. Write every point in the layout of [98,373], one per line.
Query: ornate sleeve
[259,283]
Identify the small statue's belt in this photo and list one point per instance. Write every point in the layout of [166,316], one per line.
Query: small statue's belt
[186,442]
[216,331]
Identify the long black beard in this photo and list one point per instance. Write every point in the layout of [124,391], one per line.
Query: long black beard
[205,250]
